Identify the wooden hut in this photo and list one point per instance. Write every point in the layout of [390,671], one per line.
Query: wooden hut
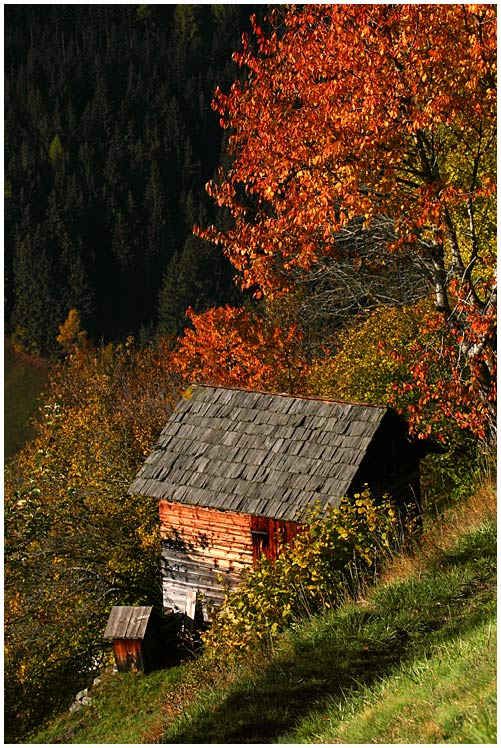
[235,472]
[136,635]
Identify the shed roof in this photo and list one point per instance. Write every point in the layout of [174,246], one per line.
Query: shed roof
[127,622]
[258,453]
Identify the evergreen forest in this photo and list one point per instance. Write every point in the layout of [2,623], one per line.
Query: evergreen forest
[109,141]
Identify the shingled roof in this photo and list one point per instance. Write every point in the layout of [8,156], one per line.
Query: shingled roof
[127,622]
[258,453]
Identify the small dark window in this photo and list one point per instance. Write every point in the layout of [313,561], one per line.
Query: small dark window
[260,538]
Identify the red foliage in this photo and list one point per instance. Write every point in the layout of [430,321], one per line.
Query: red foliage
[232,347]
[373,110]
[447,382]
[340,115]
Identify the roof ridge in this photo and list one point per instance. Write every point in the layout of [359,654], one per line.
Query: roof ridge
[289,394]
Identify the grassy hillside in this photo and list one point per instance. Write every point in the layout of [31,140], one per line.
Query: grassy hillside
[413,662]
[24,379]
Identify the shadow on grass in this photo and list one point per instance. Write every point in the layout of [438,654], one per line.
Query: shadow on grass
[25,377]
[343,651]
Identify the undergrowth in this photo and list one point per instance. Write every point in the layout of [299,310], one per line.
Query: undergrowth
[412,660]
[328,561]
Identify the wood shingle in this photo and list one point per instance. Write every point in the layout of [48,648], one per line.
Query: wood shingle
[236,471]
[127,622]
[256,447]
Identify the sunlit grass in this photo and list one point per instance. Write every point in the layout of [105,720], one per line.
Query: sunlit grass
[414,661]
[447,696]
[443,532]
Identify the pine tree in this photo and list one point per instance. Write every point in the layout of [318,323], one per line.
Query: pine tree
[115,106]
[199,277]
[56,150]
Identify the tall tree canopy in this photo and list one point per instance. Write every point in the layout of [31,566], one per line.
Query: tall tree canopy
[379,113]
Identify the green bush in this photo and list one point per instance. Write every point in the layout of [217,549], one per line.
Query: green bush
[331,558]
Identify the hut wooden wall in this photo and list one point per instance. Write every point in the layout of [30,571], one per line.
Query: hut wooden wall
[269,535]
[201,546]
[128,655]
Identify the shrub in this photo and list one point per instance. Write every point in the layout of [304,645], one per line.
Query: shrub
[76,542]
[329,560]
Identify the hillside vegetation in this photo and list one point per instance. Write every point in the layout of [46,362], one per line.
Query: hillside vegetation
[24,378]
[412,661]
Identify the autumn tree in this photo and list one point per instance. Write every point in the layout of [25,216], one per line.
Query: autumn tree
[361,364]
[380,114]
[236,347]
[72,338]
[76,542]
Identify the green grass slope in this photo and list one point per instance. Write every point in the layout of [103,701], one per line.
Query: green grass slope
[414,662]
[441,630]
[447,696]
[24,379]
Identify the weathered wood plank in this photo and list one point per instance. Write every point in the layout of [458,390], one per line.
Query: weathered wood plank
[217,544]
[175,560]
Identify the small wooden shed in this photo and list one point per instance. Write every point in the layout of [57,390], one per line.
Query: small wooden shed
[135,633]
[235,472]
